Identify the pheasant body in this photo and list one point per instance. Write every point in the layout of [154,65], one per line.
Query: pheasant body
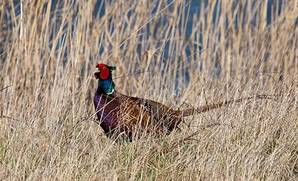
[121,114]
[125,116]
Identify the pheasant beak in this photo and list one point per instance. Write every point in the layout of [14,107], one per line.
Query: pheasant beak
[96,73]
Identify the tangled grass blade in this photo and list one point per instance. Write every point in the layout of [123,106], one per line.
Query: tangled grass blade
[185,54]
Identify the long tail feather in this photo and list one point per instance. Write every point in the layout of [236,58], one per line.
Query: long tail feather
[206,108]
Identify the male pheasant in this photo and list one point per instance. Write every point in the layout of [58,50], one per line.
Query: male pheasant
[127,117]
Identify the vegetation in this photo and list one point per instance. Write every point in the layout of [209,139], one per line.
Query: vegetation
[48,53]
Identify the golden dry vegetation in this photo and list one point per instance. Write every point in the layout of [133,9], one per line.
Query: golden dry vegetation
[48,53]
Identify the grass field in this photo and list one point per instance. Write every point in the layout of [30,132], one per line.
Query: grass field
[48,55]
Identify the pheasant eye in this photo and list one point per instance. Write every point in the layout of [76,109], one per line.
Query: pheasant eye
[104,74]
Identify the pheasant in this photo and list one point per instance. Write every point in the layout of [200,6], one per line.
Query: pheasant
[128,117]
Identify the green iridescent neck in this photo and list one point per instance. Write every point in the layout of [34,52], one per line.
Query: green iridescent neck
[106,86]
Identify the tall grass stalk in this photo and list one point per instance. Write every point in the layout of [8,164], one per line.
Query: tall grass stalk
[48,52]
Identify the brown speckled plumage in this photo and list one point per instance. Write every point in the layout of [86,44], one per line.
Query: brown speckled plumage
[124,116]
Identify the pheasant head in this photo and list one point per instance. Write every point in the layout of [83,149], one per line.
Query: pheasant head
[105,81]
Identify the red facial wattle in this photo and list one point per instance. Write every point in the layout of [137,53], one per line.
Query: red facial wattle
[103,72]
[101,66]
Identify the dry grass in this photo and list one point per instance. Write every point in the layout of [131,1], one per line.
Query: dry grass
[48,54]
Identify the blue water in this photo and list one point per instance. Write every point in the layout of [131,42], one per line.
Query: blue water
[193,7]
